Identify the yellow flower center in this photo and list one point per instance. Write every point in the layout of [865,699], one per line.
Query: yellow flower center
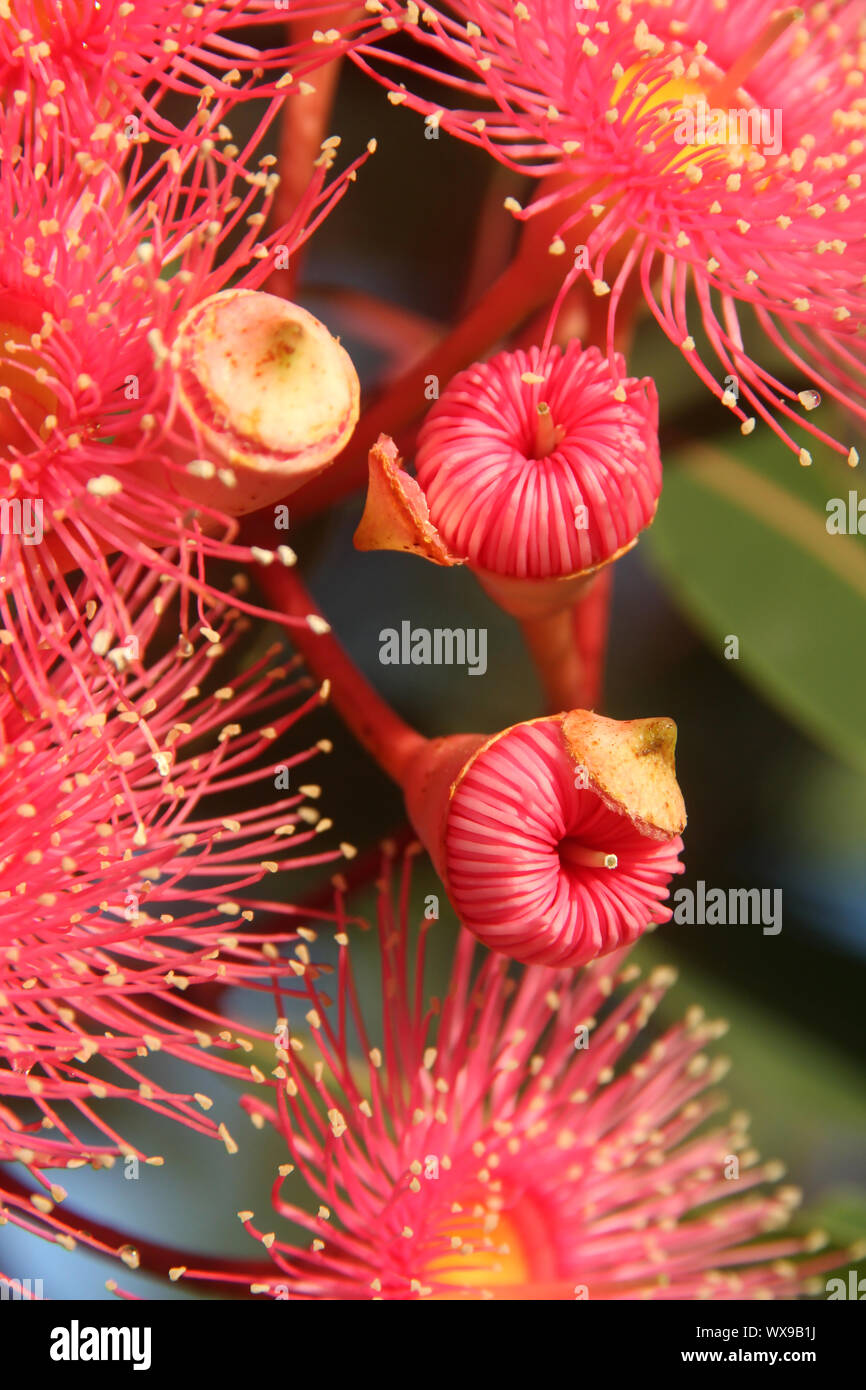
[488,1252]
[501,1253]
[696,129]
[704,120]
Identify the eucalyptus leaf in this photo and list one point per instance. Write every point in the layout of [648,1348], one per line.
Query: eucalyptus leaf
[742,542]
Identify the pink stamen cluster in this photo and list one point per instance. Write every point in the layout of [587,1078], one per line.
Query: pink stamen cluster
[127,892]
[120,58]
[482,1150]
[590,102]
[132,875]
[89,423]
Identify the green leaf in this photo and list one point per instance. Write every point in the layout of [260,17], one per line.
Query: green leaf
[742,543]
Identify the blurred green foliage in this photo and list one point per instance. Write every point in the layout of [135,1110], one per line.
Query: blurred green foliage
[742,542]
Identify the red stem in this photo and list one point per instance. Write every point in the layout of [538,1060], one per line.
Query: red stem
[387,737]
[551,644]
[403,335]
[568,647]
[530,281]
[494,237]
[590,618]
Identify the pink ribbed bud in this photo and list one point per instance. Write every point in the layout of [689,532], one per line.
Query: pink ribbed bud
[535,469]
[557,838]
[539,464]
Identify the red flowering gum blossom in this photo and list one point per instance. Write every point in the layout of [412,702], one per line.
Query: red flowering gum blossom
[267,390]
[557,838]
[535,468]
[130,899]
[484,1151]
[685,144]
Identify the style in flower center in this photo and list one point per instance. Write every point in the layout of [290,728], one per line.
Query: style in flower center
[548,436]
[76,20]
[574,854]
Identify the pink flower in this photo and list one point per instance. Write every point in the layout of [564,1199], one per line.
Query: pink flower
[540,464]
[128,893]
[518,1138]
[546,870]
[99,272]
[760,212]
[556,839]
[115,60]
[536,469]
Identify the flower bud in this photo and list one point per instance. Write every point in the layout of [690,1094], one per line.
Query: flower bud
[266,392]
[557,838]
[535,469]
